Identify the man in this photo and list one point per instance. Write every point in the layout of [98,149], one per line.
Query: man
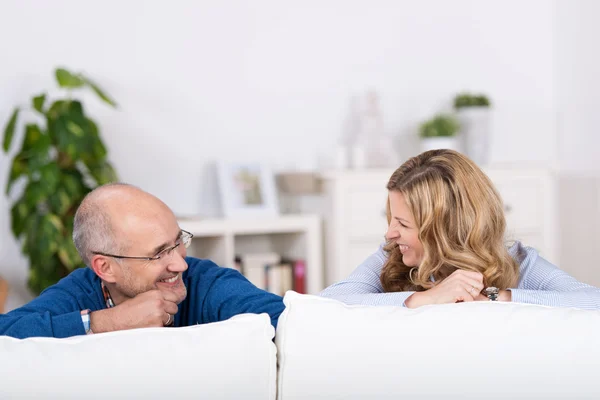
[138,275]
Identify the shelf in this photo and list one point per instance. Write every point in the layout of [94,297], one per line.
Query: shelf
[292,236]
[283,224]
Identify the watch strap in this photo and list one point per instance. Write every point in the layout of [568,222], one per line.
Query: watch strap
[87,323]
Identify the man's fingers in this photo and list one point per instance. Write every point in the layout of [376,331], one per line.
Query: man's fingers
[169,296]
[170,307]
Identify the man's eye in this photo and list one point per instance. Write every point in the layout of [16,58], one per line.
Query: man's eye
[161,254]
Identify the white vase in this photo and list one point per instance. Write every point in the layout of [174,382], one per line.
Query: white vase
[475,129]
[372,147]
[440,142]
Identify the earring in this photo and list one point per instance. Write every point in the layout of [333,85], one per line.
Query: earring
[410,274]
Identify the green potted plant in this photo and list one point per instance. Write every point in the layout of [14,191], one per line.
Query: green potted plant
[440,132]
[61,159]
[473,112]
[469,100]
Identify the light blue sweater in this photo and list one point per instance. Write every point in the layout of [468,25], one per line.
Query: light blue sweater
[540,282]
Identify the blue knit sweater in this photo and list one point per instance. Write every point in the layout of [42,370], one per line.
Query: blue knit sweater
[214,294]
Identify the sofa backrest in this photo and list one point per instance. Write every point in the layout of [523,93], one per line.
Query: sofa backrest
[233,359]
[325,350]
[478,350]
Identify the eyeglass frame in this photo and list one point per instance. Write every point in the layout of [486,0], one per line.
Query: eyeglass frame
[158,256]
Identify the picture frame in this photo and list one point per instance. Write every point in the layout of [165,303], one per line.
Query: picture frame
[247,190]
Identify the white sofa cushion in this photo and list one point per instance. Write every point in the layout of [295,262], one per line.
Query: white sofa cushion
[479,350]
[233,359]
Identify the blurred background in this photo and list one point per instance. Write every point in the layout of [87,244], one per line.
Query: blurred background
[299,87]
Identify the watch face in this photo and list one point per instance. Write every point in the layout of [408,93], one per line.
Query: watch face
[490,291]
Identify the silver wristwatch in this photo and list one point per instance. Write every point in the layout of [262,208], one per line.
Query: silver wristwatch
[491,293]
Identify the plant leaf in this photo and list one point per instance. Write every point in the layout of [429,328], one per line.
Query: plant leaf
[33,133]
[36,148]
[100,92]
[35,192]
[103,173]
[19,213]
[50,175]
[38,102]
[57,108]
[18,168]
[49,236]
[68,80]
[55,222]
[64,257]
[60,202]
[68,254]
[73,185]
[31,231]
[9,130]
[75,129]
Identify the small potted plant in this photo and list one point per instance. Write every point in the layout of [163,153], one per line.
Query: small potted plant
[468,100]
[440,132]
[473,112]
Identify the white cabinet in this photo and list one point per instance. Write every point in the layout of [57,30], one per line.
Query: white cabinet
[355,221]
[292,236]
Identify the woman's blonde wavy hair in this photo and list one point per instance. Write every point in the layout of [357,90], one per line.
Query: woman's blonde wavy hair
[460,218]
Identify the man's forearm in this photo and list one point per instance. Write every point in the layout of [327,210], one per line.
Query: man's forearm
[41,324]
[102,321]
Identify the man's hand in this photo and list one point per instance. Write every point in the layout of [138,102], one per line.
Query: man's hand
[148,309]
[458,287]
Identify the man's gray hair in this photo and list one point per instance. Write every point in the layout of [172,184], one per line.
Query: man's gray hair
[92,227]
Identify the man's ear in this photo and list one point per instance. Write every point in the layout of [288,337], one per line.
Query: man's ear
[105,269]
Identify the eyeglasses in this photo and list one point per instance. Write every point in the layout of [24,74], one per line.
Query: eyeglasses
[185,239]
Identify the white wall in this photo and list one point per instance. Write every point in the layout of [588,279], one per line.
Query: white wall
[578,84]
[578,97]
[200,80]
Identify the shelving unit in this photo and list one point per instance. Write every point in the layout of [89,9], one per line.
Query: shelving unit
[292,236]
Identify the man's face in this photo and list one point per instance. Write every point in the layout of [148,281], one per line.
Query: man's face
[150,236]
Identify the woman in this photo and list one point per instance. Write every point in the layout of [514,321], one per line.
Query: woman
[445,244]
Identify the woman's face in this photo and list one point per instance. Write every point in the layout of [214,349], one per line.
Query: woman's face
[404,231]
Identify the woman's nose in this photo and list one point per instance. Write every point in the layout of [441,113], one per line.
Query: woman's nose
[392,233]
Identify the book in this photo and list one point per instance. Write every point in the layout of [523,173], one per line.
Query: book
[299,285]
[255,267]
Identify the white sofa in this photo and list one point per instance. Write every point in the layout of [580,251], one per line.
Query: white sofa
[324,350]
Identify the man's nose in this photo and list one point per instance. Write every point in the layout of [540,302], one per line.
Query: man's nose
[177,263]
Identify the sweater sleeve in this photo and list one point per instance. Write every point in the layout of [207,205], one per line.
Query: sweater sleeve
[543,283]
[230,293]
[363,286]
[54,313]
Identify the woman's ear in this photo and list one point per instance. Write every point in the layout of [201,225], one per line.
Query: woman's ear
[105,269]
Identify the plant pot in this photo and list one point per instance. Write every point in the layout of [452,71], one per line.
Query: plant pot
[440,142]
[475,125]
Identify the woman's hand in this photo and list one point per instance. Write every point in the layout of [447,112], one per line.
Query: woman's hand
[458,287]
